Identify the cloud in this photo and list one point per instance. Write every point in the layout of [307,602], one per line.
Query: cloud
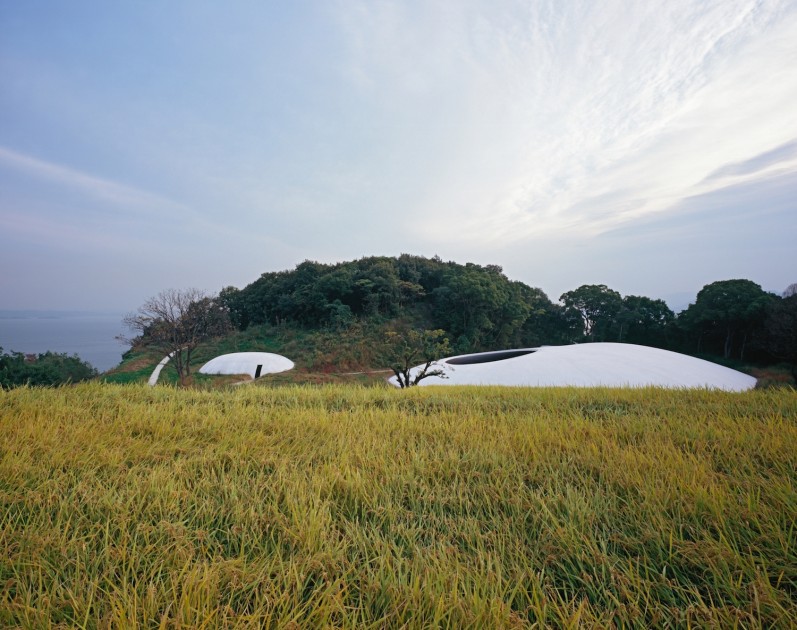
[576,117]
[521,133]
[786,153]
[102,189]
[765,206]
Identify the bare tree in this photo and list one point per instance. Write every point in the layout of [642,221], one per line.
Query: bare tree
[176,321]
[790,290]
[403,350]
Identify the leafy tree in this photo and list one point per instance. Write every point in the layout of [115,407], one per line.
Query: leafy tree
[339,316]
[643,320]
[428,272]
[410,271]
[728,311]
[790,290]
[479,306]
[545,322]
[598,306]
[377,286]
[406,349]
[232,300]
[176,322]
[780,338]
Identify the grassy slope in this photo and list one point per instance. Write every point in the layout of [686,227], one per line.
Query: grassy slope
[358,507]
[326,356]
[321,356]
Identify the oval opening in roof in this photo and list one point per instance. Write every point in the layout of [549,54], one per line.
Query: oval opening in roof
[487,357]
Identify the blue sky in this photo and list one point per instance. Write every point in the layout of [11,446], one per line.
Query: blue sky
[143,146]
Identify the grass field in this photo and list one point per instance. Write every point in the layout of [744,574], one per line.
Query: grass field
[345,506]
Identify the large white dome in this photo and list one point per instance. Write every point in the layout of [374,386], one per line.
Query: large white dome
[254,364]
[588,365]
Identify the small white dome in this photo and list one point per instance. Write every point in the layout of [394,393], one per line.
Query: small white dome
[254,364]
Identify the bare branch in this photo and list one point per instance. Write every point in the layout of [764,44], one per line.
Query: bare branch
[176,322]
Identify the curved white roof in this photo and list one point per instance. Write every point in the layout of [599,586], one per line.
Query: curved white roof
[588,365]
[247,363]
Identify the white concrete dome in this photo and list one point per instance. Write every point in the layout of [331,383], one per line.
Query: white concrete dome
[588,365]
[255,364]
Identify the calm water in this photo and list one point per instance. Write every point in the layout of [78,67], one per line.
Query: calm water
[89,335]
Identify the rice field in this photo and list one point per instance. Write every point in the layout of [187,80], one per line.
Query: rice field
[353,507]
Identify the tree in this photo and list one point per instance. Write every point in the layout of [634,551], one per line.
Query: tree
[404,350]
[545,323]
[790,290]
[339,316]
[598,306]
[479,306]
[643,320]
[780,330]
[176,322]
[230,298]
[725,311]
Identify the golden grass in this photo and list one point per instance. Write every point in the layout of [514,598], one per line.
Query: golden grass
[345,506]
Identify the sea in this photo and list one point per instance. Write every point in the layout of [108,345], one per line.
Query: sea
[90,335]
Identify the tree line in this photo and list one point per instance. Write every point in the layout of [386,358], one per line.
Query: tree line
[732,319]
[479,308]
[45,369]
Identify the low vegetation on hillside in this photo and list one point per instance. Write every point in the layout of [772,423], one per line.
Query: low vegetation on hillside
[320,355]
[46,368]
[127,506]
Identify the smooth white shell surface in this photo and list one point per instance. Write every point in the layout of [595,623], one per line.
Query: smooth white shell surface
[592,365]
[246,363]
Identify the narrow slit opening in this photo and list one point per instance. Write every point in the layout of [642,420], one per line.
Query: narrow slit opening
[488,357]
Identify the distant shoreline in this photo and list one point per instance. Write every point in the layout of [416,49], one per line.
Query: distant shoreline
[59,314]
[89,334]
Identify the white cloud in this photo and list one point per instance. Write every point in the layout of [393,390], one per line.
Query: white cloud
[124,217]
[575,117]
[511,132]
[97,187]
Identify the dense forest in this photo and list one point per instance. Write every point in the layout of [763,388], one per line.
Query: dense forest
[479,308]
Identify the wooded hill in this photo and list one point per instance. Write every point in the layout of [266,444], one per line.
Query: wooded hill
[479,308]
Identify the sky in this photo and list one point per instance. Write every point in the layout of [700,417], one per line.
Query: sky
[648,146]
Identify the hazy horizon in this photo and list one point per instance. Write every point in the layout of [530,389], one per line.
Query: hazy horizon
[651,148]
[92,336]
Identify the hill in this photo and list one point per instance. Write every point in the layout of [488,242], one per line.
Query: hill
[478,306]
[333,318]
